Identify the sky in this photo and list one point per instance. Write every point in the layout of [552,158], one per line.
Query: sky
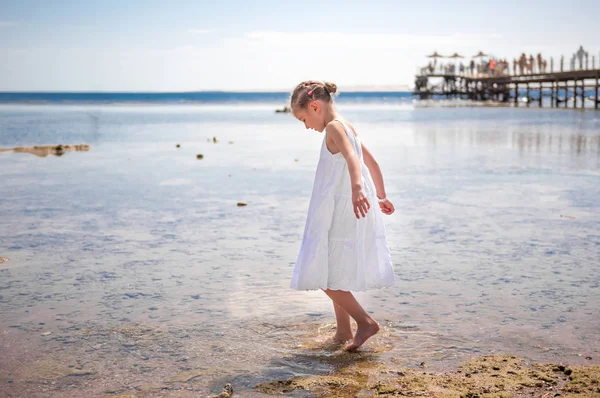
[177,45]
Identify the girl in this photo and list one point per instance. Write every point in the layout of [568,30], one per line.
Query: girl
[344,247]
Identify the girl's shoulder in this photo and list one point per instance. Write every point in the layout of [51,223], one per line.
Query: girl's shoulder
[344,124]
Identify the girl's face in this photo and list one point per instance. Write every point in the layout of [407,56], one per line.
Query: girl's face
[311,116]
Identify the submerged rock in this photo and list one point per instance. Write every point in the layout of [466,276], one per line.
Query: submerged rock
[337,386]
[48,370]
[186,376]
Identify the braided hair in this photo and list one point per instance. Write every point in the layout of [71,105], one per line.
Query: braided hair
[311,90]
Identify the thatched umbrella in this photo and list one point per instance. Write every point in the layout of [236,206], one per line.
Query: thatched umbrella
[435,56]
[480,55]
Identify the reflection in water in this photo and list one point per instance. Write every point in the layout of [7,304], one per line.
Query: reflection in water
[523,139]
[572,143]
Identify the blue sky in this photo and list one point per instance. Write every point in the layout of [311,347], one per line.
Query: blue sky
[181,45]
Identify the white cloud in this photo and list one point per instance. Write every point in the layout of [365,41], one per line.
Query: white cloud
[345,58]
[199,31]
[361,41]
[256,60]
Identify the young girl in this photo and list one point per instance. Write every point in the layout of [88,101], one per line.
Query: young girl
[344,247]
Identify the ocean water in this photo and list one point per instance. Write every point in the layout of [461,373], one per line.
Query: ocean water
[132,260]
[203,97]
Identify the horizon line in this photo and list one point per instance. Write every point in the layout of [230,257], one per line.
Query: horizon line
[408,89]
[351,89]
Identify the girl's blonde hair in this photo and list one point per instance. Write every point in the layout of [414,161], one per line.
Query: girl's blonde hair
[312,90]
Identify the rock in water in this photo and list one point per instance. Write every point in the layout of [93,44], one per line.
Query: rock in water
[227,391]
[43,151]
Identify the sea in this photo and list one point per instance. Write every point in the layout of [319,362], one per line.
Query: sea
[159,252]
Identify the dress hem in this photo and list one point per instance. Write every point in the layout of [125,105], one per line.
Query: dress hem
[345,290]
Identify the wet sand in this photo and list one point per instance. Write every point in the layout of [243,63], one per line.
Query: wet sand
[146,360]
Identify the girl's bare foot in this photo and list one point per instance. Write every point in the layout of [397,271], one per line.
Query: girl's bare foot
[363,333]
[342,338]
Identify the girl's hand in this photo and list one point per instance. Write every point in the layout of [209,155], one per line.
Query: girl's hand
[387,207]
[360,203]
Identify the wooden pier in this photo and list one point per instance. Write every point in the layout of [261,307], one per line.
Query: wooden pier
[568,89]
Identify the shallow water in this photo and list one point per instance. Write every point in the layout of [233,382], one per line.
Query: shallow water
[137,260]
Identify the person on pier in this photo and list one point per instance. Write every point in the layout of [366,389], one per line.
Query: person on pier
[522,63]
[531,65]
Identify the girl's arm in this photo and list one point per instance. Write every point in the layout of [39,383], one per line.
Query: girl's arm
[375,171]
[336,133]
[386,206]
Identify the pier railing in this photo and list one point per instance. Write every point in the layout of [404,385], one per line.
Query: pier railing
[523,66]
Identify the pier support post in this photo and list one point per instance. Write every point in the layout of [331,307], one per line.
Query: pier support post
[552,96]
[540,100]
[468,89]
[575,93]
[528,98]
[583,92]
[597,103]
[516,94]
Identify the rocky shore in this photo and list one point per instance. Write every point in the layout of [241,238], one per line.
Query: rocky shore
[487,376]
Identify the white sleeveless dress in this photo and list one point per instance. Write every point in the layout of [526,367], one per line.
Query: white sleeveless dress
[339,251]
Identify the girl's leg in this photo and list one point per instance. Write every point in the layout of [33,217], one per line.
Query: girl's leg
[344,329]
[367,326]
